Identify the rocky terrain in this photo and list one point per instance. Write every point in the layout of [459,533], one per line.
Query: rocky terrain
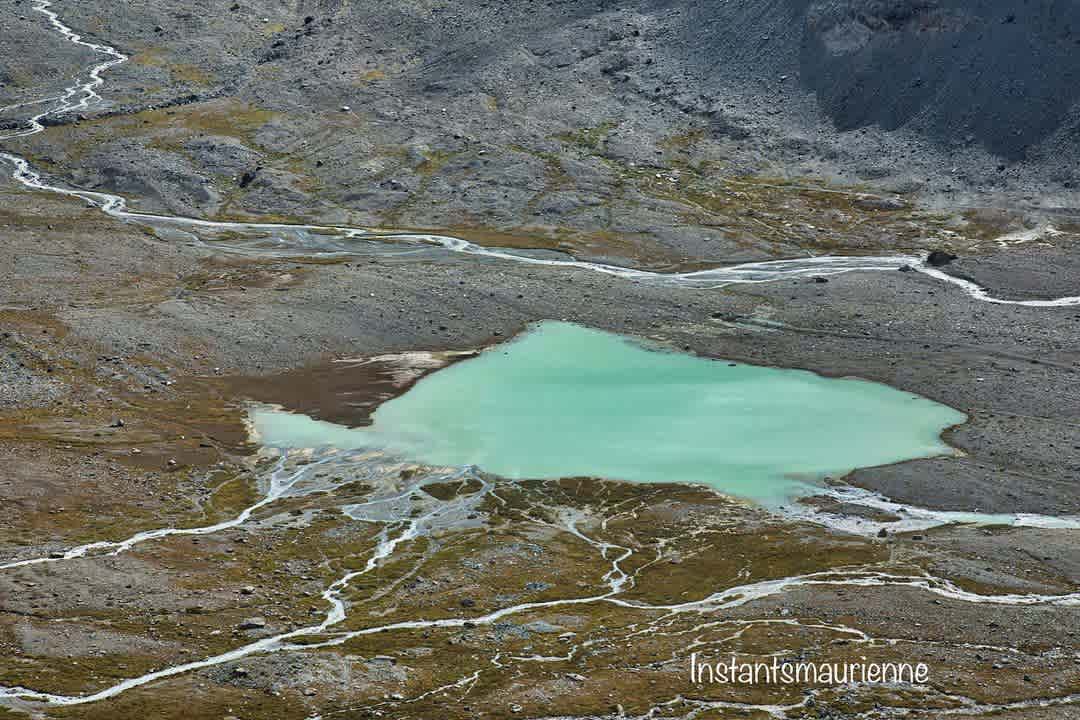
[658,135]
[586,123]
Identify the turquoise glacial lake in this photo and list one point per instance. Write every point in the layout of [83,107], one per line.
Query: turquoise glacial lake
[563,400]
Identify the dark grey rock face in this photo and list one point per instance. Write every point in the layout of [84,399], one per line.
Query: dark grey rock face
[1000,73]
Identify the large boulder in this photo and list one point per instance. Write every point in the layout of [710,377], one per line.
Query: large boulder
[937,258]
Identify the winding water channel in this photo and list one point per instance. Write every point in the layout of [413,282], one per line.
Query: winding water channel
[407,514]
[341,240]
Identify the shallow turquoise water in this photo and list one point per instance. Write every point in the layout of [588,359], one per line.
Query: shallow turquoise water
[563,400]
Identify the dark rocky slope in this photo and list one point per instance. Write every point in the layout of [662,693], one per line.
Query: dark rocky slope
[549,114]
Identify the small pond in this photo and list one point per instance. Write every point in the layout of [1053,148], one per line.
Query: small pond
[563,400]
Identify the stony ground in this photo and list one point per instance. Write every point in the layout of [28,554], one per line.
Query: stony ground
[127,357]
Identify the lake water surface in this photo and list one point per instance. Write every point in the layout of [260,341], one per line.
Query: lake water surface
[563,400]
